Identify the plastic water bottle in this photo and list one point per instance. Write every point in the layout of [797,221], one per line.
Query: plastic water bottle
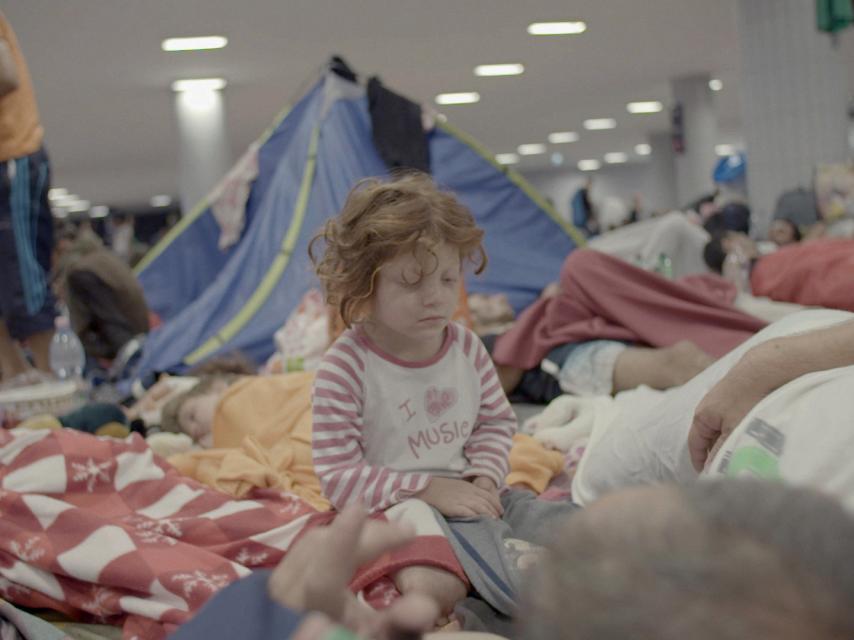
[67,357]
[736,269]
[664,266]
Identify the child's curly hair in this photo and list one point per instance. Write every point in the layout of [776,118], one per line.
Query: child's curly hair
[379,221]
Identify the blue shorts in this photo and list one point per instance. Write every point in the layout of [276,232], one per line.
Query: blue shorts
[27,305]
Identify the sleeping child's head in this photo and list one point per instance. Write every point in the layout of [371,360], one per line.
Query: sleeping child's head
[192,412]
[393,258]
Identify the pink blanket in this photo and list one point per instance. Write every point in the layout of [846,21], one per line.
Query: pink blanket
[104,530]
[602,297]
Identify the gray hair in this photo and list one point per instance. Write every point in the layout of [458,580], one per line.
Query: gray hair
[723,560]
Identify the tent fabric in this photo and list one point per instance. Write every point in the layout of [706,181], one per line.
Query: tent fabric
[216,302]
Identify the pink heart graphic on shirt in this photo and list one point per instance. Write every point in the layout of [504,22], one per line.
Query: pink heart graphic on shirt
[438,401]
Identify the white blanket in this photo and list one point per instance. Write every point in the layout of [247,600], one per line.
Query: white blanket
[801,433]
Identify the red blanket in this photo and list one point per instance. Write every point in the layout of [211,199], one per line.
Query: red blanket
[602,297]
[815,273]
[104,530]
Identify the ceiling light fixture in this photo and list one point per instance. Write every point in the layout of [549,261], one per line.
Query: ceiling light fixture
[590,164]
[600,123]
[652,106]
[531,149]
[725,149]
[715,84]
[560,137]
[194,44]
[616,157]
[80,205]
[56,193]
[468,97]
[100,211]
[162,200]
[507,158]
[499,69]
[557,28]
[199,84]
[643,149]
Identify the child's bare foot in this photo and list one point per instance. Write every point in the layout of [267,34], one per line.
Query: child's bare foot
[439,585]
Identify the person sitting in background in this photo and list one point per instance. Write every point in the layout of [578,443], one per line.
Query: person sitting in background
[105,302]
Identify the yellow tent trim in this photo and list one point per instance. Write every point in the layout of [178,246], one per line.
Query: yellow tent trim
[516,179]
[274,273]
[199,209]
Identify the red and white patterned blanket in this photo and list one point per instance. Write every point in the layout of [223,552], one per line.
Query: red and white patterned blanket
[103,529]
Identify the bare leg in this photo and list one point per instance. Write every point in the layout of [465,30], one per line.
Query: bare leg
[440,585]
[659,368]
[39,344]
[12,361]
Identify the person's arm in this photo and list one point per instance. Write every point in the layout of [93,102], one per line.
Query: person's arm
[8,70]
[488,446]
[336,442]
[763,369]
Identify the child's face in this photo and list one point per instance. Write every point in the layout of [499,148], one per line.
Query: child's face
[412,305]
[196,416]
[782,232]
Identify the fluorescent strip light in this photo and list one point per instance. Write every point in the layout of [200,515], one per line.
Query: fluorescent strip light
[531,149]
[194,44]
[643,149]
[57,193]
[560,137]
[65,201]
[80,205]
[600,123]
[101,211]
[653,106]
[499,70]
[715,84]
[556,28]
[589,165]
[725,149]
[59,213]
[199,84]
[616,157]
[468,97]
[160,201]
[507,158]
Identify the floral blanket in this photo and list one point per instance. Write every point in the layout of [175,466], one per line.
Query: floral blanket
[104,530]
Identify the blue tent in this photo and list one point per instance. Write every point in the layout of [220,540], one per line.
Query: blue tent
[215,302]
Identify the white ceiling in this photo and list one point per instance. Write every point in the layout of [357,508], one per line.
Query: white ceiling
[102,81]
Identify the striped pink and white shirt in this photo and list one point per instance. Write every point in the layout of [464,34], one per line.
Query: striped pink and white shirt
[383,426]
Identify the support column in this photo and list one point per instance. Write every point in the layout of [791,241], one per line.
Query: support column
[205,156]
[662,174]
[696,161]
[794,89]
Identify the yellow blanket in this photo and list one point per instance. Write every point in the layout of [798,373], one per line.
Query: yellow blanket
[262,438]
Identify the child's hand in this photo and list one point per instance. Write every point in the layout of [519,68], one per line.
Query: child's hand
[461,499]
[485,483]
